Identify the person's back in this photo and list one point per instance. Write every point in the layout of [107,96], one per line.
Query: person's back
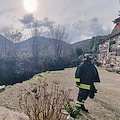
[85,75]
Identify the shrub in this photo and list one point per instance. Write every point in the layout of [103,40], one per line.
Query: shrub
[43,102]
[72,112]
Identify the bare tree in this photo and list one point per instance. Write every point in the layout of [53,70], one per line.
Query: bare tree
[10,48]
[34,34]
[12,43]
[36,44]
[58,34]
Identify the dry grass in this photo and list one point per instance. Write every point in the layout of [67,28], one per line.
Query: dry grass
[41,103]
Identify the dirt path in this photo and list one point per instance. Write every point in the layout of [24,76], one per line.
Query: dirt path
[105,105]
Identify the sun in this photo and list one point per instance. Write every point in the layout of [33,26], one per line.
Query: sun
[30,5]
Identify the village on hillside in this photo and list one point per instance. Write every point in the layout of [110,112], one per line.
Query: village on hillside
[109,50]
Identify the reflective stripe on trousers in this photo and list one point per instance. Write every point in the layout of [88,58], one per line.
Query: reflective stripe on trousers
[78,104]
[84,86]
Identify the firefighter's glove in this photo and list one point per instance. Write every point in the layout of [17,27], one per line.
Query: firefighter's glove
[91,94]
[93,90]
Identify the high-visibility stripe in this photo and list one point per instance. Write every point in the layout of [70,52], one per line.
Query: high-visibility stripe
[77,102]
[83,101]
[78,105]
[84,86]
[77,79]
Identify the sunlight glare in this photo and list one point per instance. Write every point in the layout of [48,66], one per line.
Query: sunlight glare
[30,5]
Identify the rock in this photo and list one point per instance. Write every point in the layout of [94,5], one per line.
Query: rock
[6,114]
[2,88]
[70,118]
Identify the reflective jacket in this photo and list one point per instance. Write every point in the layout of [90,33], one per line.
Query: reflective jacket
[85,75]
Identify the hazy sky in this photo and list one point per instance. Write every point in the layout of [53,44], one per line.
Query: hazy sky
[83,18]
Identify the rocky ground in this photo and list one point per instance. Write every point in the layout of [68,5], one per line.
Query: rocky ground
[105,105]
[6,114]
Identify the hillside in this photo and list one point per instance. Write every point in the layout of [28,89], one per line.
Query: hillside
[84,45]
[44,45]
[48,46]
[51,45]
[87,45]
[5,44]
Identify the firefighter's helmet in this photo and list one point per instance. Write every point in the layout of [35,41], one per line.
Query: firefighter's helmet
[88,57]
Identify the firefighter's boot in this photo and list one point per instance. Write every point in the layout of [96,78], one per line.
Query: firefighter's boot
[83,108]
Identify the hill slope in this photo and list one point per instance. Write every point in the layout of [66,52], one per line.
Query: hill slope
[48,46]
[45,45]
[84,45]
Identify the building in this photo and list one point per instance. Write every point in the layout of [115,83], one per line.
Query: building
[109,50]
[114,48]
[103,56]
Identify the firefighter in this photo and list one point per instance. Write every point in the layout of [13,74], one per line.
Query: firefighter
[86,74]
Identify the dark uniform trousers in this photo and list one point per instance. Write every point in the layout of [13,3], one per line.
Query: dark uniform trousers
[82,96]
